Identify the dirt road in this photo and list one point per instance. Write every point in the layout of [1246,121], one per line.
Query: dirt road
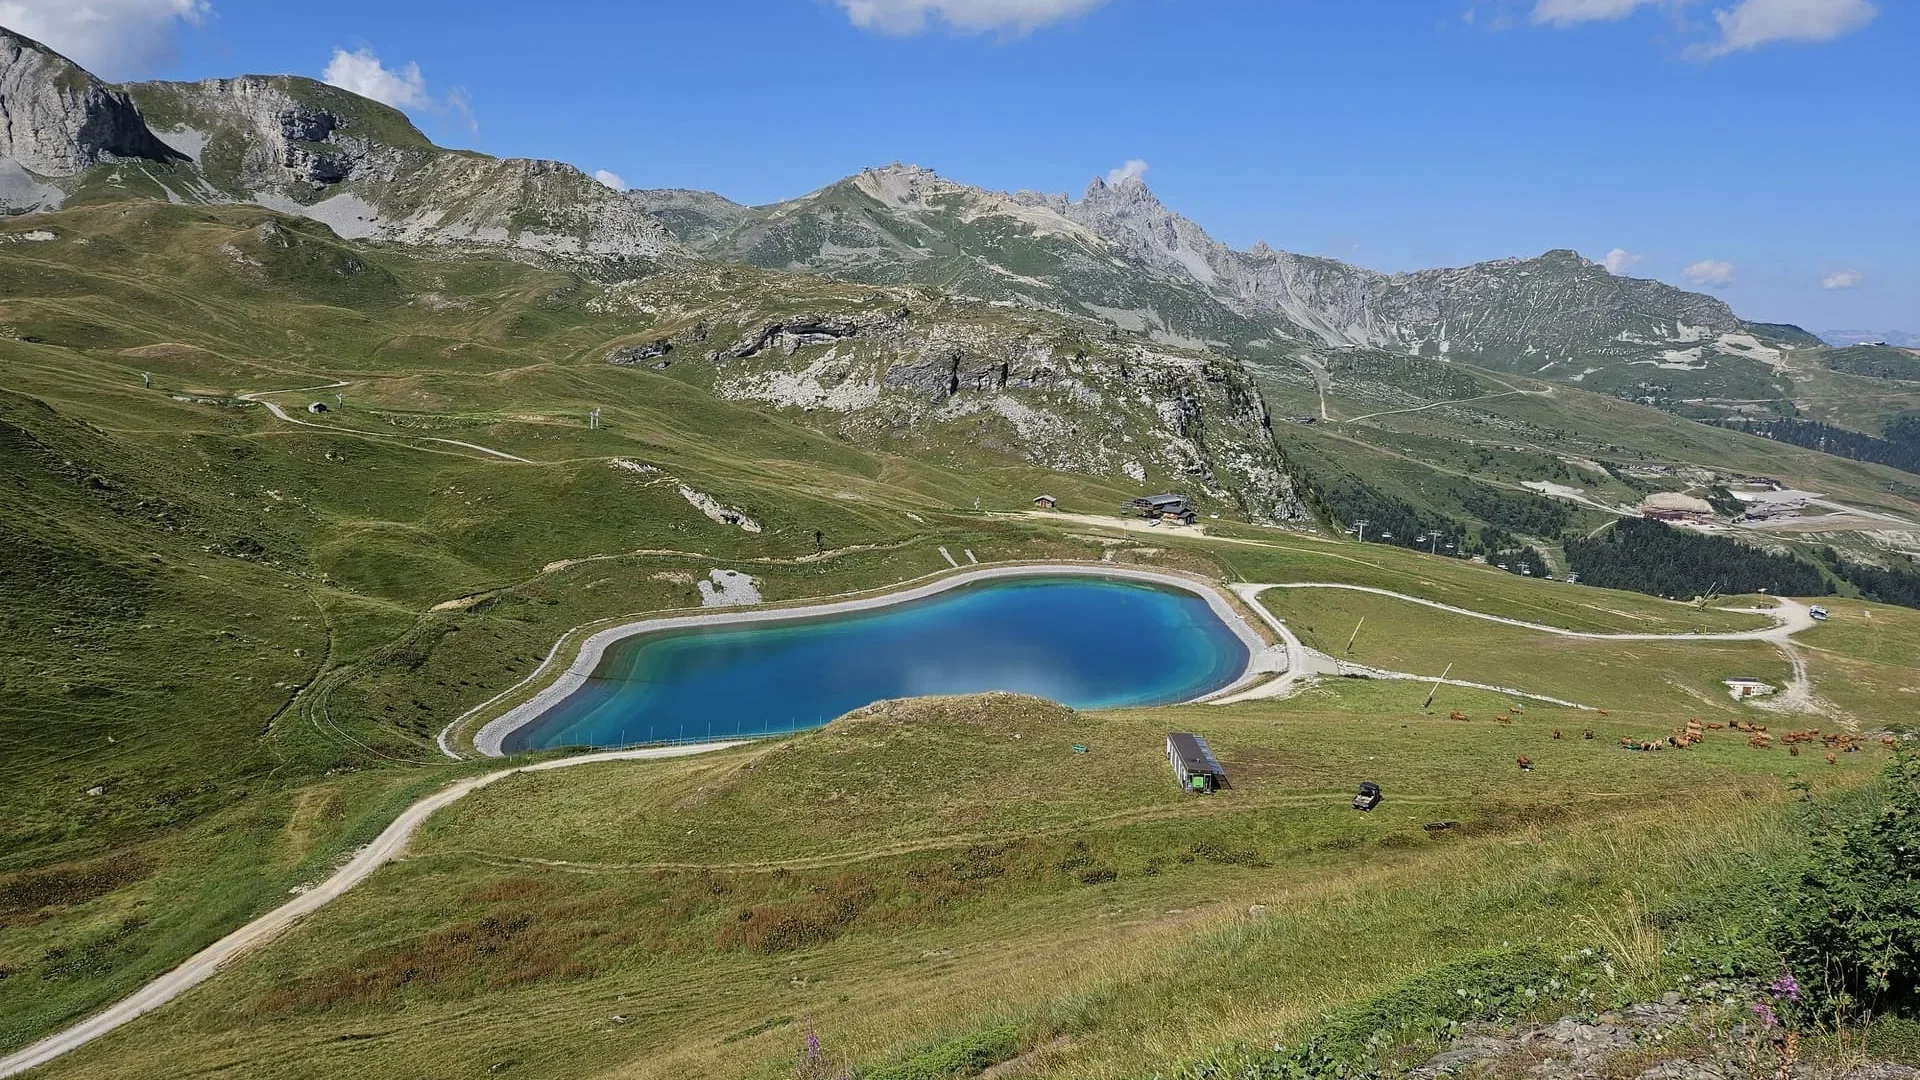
[388,846]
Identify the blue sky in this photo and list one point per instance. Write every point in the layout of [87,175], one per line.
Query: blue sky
[1763,150]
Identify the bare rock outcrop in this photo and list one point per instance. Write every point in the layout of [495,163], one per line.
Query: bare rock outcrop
[56,120]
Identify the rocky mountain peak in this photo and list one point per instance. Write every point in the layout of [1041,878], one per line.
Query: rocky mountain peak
[1129,189]
[57,120]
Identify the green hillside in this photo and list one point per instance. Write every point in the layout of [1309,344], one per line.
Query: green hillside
[234,637]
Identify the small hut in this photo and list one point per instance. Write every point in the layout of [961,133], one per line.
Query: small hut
[1743,688]
[1044,502]
[1194,764]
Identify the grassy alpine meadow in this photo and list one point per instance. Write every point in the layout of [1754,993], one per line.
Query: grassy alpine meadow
[1638,677]
[233,636]
[927,872]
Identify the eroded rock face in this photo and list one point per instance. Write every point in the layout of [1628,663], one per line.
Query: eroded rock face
[56,120]
[788,335]
[306,148]
[639,354]
[897,369]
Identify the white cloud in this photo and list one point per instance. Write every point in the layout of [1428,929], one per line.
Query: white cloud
[1743,25]
[1134,169]
[970,16]
[1620,260]
[361,72]
[114,39]
[1711,273]
[1842,279]
[1568,12]
[610,178]
[1751,23]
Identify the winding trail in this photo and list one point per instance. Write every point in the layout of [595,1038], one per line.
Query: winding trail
[1453,401]
[259,397]
[388,846]
[1790,618]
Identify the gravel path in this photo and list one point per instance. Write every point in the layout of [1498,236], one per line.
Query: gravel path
[1790,617]
[388,846]
[260,397]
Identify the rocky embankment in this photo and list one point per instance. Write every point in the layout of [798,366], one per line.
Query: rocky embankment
[946,379]
[1710,1037]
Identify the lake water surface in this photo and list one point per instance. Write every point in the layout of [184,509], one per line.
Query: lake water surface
[1088,642]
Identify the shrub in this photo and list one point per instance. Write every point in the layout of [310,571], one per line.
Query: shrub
[811,920]
[962,1057]
[1383,1034]
[1850,908]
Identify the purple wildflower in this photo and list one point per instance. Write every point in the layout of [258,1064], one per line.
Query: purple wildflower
[1765,1012]
[813,1062]
[1786,987]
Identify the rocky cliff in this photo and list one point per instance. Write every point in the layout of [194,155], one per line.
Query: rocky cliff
[948,380]
[56,120]
[1119,254]
[298,146]
[306,148]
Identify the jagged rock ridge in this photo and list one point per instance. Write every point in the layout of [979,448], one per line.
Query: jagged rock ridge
[300,147]
[57,120]
[1119,254]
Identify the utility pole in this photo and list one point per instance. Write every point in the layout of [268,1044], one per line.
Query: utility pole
[1356,634]
[1436,686]
[1361,527]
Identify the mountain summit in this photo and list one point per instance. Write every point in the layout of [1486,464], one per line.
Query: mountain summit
[1116,253]
[295,145]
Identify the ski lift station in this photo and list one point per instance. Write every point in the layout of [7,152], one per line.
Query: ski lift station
[1194,764]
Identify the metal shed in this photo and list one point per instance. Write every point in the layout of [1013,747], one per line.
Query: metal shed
[1194,764]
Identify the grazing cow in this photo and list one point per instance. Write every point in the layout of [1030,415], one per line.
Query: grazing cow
[1831,760]
[1793,750]
[1588,735]
[1526,763]
[1556,733]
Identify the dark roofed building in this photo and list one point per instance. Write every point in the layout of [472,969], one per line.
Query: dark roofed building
[1168,507]
[1193,762]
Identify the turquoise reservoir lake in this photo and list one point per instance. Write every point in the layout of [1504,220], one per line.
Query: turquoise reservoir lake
[1088,642]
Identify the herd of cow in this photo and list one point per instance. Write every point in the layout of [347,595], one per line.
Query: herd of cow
[1694,732]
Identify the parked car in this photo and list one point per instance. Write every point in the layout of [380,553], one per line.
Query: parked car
[1369,796]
